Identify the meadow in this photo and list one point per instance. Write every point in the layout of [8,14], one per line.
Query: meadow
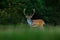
[24,32]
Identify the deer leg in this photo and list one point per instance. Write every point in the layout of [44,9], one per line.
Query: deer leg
[41,27]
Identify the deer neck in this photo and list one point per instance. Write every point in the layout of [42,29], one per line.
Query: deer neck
[29,21]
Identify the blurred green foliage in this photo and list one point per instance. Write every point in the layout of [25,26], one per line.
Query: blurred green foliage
[11,11]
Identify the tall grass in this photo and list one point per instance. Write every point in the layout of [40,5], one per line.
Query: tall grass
[23,32]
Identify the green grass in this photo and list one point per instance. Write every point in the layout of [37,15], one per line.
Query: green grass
[23,32]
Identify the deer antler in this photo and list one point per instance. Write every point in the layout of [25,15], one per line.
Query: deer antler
[33,12]
[31,15]
[24,11]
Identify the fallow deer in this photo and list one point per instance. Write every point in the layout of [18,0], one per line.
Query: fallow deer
[34,23]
